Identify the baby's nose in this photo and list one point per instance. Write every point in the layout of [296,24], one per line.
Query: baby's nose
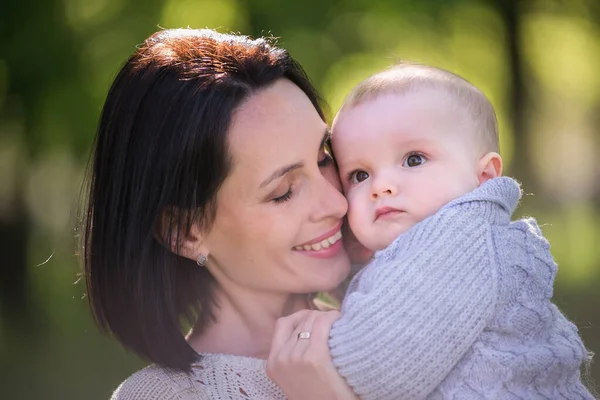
[383,188]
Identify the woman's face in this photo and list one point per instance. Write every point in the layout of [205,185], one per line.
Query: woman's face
[279,213]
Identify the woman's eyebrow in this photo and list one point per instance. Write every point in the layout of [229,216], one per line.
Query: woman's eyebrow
[281,172]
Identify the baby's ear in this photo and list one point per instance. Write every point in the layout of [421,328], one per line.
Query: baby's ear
[489,167]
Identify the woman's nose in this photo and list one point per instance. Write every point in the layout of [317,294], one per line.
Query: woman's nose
[331,202]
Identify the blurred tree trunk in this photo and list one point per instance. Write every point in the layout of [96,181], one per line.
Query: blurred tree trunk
[15,296]
[521,167]
[42,51]
[14,281]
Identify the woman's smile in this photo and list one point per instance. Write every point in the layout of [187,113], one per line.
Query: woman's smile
[324,246]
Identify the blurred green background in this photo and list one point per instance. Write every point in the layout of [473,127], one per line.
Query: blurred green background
[538,61]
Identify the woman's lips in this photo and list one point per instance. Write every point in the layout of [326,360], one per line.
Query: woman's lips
[386,213]
[323,252]
[326,235]
[324,246]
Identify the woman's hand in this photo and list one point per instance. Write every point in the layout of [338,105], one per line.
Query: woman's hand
[303,367]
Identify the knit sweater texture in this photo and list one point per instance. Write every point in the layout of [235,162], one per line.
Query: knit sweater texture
[215,377]
[458,307]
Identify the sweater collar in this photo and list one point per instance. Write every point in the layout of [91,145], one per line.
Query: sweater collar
[495,199]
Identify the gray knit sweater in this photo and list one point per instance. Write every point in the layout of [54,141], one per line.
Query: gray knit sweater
[459,307]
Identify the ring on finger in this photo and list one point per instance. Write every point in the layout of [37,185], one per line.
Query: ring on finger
[304,335]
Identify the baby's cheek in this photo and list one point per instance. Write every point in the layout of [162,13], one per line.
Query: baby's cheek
[357,218]
[353,215]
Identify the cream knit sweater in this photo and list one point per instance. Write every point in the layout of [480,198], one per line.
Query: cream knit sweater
[215,377]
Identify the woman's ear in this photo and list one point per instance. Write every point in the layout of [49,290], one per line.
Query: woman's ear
[185,243]
[489,167]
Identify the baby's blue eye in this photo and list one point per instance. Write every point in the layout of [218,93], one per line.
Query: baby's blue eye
[358,176]
[414,160]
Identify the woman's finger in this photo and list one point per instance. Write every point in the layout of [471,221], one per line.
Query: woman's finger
[280,353]
[300,339]
[319,345]
[285,327]
[302,367]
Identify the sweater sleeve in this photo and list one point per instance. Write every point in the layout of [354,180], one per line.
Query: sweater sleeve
[417,308]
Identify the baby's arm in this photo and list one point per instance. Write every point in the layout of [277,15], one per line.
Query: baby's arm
[417,308]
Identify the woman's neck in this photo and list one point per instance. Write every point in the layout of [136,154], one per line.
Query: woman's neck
[245,322]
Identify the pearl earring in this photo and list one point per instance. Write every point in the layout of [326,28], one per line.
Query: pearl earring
[202,259]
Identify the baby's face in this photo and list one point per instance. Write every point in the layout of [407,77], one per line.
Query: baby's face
[401,158]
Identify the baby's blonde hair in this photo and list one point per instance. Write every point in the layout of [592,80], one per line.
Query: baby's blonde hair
[408,77]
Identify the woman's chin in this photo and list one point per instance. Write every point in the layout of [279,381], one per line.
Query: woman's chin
[337,272]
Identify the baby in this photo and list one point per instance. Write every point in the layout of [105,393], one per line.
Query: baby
[456,302]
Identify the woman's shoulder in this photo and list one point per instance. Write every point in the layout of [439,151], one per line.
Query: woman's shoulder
[214,376]
[156,383]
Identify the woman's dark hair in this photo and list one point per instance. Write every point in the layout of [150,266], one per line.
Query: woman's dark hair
[160,156]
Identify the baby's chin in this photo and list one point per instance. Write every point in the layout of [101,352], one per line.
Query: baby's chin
[379,239]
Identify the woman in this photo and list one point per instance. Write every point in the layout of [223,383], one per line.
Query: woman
[213,198]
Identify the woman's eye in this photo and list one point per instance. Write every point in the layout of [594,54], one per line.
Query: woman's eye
[414,160]
[285,197]
[358,176]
